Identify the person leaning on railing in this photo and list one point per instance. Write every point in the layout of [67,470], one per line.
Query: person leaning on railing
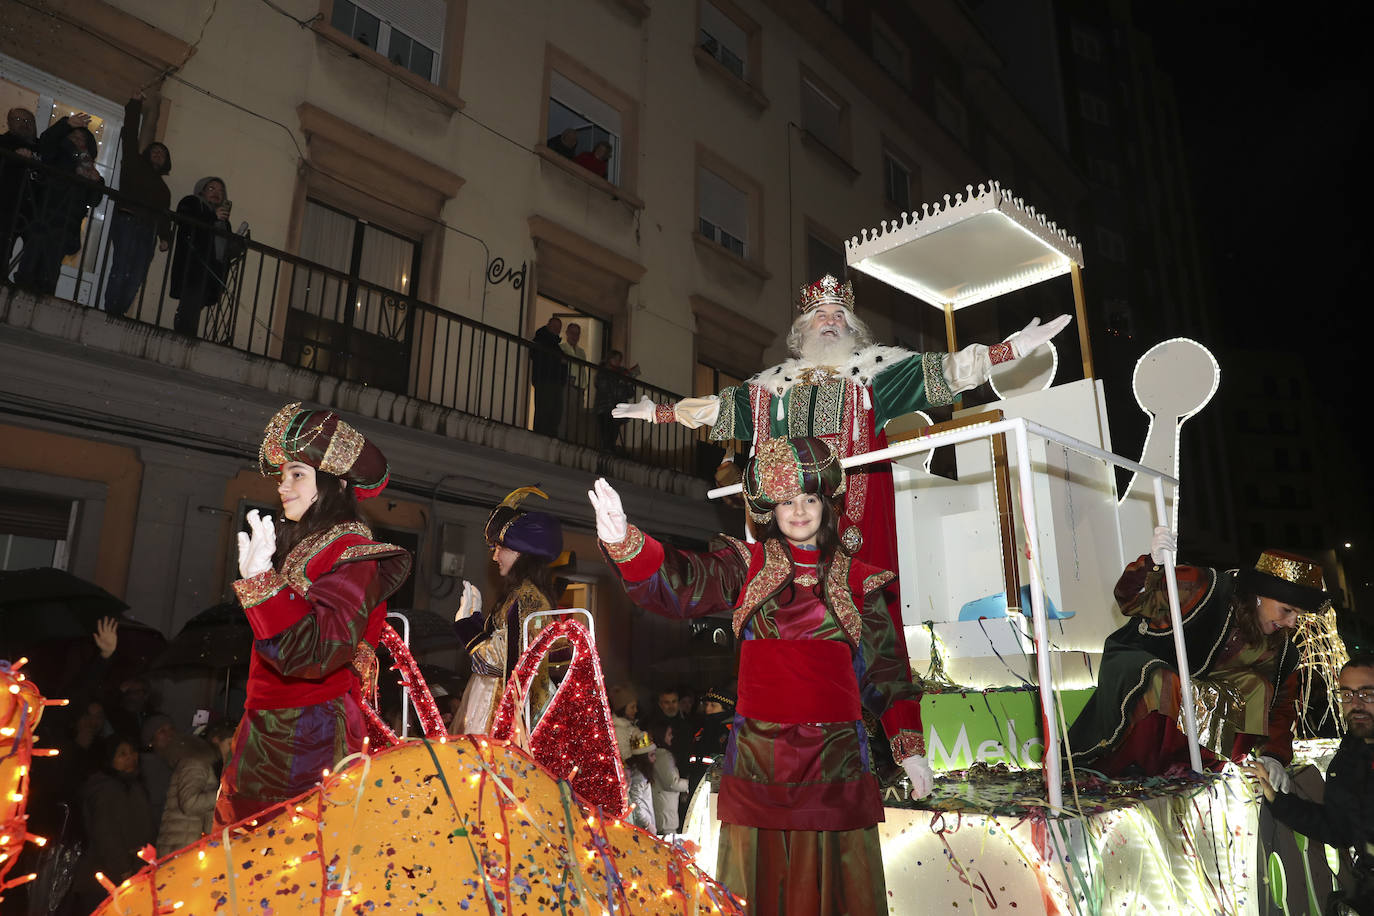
[60,204]
[141,218]
[205,249]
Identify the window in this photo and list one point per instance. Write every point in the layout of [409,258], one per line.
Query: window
[896,181]
[722,212]
[724,39]
[592,111]
[823,257]
[708,380]
[352,324]
[890,53]
[1281,459]
[1112,245]
[1094,108]
[825,115]
[1085,42]
[949,111]
[409,34]
[34,529]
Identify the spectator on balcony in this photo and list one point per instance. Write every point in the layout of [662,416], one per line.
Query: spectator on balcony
[597,161]
[575,402]
[614,384]
[549,376]
[205,250]
[16,194]
[564,144]
[141,217]
[63,200]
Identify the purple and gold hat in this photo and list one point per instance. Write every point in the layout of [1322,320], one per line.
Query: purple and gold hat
[782,468]
[537,533]
[322,440]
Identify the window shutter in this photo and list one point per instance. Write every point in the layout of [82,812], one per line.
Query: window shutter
[422,20]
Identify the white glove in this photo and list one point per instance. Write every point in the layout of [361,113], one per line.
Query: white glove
[1035,334]
[255,550]
[1278,774]
[1163,543]
[919,772]
[470,603]
[643,409]
[611,526]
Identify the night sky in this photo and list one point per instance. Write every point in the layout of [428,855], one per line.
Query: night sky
[1274,110]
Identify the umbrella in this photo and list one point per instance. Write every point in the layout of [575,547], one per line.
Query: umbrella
[217,637]
[428,630]
[43,604]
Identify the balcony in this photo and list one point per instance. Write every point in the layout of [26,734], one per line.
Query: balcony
[310,332]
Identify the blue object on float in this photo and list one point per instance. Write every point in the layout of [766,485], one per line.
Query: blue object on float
[996,606]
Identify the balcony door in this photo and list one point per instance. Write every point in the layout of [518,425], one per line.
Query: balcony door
[352,321]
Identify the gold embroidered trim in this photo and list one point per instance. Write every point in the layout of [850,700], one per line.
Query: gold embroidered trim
[258,589]
[806,580]
[1291,569]
[741,548]
[777,568]
[363,551]
[628,548]
[841,599]
[938,392]
[907,743]
[366,666]
[877,580]
[724,427]
[344,448]
[293,570]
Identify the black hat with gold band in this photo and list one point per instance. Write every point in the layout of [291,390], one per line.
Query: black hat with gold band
[1288,578]
[322,440]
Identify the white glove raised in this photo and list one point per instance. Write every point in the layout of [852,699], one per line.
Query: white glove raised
[255,549]
[611,526]
[919,772]
[643,409]
[470,603]
[1278,774]
[1161,543]
[1035,334]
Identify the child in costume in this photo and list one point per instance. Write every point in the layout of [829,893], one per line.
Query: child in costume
[314,591]
[798,804]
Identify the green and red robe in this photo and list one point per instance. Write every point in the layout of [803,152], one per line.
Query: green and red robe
[798,802]
[1131,720]
[315,625]
[847,405]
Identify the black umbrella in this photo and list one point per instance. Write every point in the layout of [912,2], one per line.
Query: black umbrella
[217,637]
[44,604]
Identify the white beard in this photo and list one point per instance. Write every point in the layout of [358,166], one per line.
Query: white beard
[824,350]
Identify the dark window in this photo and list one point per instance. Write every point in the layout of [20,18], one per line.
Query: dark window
[823,258]
[896,182]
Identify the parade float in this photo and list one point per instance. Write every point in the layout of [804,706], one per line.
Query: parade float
[1033,515]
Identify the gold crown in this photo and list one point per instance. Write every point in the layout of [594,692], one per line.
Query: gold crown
[826,291]
[1289,568]
[640,741]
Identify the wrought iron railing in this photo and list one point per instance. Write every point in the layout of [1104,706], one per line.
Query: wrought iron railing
[271,303]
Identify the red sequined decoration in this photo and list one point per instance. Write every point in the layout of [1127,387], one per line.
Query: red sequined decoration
[575,731]
[431,720]
[665,413]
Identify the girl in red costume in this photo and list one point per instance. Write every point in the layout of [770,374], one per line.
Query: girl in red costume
[314,591]
[798,805]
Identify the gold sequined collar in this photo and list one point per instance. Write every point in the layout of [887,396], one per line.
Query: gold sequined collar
[293,570]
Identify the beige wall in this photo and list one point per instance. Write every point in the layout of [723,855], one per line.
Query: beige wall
[261,60]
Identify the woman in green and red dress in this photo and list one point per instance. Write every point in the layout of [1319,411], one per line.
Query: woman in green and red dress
[314,591]
[798,804]
[1237,627]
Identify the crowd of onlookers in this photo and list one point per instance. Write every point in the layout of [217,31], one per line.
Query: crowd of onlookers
[49,183]
[668,749]
[561,406]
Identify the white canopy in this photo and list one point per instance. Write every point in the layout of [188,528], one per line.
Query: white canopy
[968,250]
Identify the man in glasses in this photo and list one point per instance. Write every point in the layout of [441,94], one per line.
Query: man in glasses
[1345,819]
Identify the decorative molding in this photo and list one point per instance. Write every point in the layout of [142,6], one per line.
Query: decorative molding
[715,249]
[729,338]
[750,94]
[596,181]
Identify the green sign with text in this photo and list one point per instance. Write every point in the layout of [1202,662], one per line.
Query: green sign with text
[999,726]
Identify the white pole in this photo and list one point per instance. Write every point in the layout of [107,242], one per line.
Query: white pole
[1185,679]
[1054,783]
